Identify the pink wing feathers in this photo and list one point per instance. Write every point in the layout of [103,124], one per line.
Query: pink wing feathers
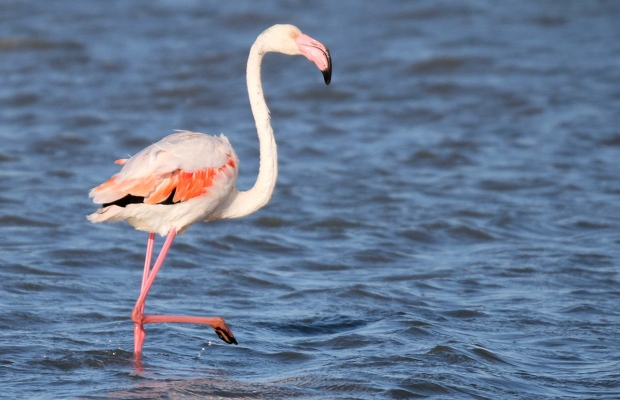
[185,163]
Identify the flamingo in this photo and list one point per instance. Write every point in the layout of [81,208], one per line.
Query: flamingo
[188,177]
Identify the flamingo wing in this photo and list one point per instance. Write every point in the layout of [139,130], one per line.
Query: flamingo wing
[179,167]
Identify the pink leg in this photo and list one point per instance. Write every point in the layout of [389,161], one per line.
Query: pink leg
[138,329]
[147,262]
[138,317]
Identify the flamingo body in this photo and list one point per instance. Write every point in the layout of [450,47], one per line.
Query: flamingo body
[188,177]
[184,178]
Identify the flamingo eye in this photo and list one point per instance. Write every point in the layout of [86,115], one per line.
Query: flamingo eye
[293,35]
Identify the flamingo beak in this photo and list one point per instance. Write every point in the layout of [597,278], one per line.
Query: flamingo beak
[317,53]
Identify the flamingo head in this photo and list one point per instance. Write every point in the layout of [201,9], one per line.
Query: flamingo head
[288,39]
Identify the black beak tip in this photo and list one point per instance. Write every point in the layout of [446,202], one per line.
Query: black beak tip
[327,75]
[327,72]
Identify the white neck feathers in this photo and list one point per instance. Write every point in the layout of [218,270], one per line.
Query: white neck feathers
[244,203]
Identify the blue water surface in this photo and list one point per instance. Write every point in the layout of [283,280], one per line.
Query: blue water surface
[445,224]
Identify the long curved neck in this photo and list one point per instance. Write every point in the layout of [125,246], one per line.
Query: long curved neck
[247,202]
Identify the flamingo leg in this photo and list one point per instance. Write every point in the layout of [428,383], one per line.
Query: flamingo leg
[139,318]
[138,329]
[147,261]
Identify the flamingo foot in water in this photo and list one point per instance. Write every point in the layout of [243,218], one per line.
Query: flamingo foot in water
[217,323]
[138,337]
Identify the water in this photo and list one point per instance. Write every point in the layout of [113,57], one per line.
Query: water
[445,225]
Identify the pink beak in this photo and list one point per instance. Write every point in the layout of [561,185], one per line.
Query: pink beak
[317,53]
